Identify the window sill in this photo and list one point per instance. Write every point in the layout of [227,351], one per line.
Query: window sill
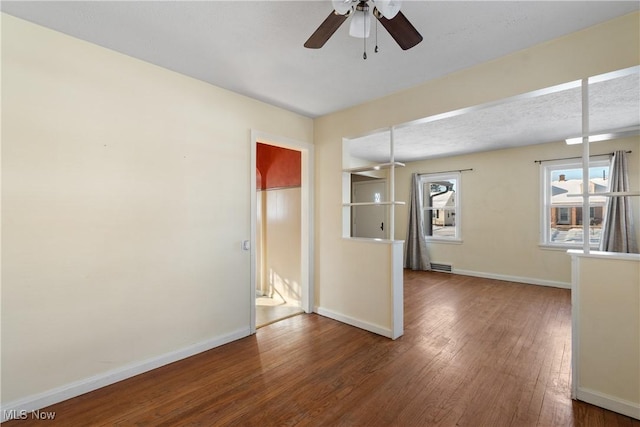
[372,240]
[563,248]
[445,241]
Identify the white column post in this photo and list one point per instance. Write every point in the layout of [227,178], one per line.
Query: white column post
[392,186]
[586,214]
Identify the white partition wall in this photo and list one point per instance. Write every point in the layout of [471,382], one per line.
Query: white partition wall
[606,330]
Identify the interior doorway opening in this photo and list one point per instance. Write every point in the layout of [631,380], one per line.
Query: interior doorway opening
[281,261]
[278,185]
[369,221]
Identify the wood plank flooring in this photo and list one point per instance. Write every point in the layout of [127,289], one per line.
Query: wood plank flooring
[270,310]
[476,352]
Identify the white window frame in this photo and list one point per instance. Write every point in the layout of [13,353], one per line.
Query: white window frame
[546,170]
[424,178]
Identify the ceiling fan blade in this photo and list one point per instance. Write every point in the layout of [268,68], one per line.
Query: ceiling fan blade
[400,29]
[325,30]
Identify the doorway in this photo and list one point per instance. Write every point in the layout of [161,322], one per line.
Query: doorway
[281,228]
[369,221]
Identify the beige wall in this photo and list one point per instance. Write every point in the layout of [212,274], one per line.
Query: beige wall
[501,210]
[279,228]
[121,235]
[343,283]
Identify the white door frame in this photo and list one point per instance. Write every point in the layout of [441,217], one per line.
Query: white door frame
[306,218]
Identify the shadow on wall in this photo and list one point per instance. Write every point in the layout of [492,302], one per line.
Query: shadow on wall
[288,290]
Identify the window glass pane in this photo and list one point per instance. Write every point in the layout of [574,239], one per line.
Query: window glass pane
[569,181]
[442,223]
[439,193]
[566,225]
[565,216]
[439,199]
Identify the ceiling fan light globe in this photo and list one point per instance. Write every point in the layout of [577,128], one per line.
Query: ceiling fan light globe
[342,7]
[388,8]
[360,25]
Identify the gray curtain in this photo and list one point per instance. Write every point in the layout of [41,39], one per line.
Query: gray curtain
[415,247]
[618,234]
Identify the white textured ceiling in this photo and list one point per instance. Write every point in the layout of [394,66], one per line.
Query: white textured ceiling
[255,47]
[543,116]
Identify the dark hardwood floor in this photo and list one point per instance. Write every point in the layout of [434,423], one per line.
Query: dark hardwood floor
[476,352]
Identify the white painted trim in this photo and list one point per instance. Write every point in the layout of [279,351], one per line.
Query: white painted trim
[376,329]
[507,278]
[253,232]
[397,291]
[542,203]
[604,255]
[369,240]
[308,230]
[391,229]
[306,216]
[77,388]
[439,240]
[585,163]
[546,169]
[444,176]
[575,326]
[612,403]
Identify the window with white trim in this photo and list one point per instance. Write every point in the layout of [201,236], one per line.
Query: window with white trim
[441,206]
[562,216]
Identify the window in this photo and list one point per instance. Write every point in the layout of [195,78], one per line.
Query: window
[441,206]
[561,215]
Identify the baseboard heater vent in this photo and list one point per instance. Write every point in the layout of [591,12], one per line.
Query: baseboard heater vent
[445,268]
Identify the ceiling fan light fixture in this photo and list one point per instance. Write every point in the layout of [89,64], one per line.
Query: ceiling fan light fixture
[388,8]
[360,26]
[389,16]
[342,7]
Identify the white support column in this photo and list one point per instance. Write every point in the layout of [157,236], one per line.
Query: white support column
[586,213]
[392,186]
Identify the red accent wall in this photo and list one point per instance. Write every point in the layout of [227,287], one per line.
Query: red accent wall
[278,167]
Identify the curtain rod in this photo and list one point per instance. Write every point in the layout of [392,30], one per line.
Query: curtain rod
[457,170]
[579,157]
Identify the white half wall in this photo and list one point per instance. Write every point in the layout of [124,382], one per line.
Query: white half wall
[606,330]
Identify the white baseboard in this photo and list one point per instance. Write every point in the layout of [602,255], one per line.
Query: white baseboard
[74,389]
[612,403]
[376,329]
[517,279]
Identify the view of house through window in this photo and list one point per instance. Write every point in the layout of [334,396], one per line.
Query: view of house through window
[562,213]
[441,205]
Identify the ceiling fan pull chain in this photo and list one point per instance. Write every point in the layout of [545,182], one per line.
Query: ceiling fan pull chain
[364,32]
[376,50]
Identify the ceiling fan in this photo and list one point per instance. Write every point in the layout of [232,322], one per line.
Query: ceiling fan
[385,11]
